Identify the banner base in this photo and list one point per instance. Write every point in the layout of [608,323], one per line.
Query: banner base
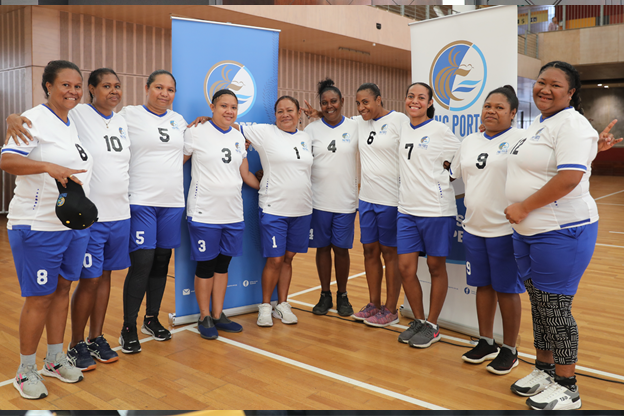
[189,319]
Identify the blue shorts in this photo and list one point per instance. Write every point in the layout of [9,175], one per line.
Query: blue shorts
[40,256]
[556,260]
[378,223]
[107,249]
[281,234]
[332,228]
[152,227]
[430,235]
[491,261]
[210,240]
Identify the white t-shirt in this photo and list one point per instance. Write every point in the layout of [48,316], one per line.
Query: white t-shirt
[215,193]
[156,177]
[564,141]
[106,139]
[379,145]
[334,171]
[285,189]
[481,161]
[35,196]
[424,186]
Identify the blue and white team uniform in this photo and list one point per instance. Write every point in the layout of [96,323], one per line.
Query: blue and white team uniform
[379,192]
[481,161]
[215,204]
[106,139]
[285,195]
[334,182]
[554,244]
[427,208]
[42,246]
[155,191]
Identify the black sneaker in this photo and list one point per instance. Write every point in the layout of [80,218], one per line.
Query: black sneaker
[129,340]
[481,352]
[324,304]
[151,326]
[342,305]
[504,362]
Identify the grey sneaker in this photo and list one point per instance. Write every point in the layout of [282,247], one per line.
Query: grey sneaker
[425,337]
[29,383]
[533,383]
[556,397]
[414,327]
[343,306]
[61,369]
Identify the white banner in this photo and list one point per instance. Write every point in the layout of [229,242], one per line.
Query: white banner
[463,57]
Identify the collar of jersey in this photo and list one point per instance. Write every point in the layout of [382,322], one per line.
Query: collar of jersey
[151,112]
[379,118]
[219,128]
[289,132]
[542,117]
[421,124]
[101,115]
[496,135]
[330,126]
[67,124]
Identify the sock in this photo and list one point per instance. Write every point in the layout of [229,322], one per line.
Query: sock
[422,321]
[512,349]
[490,341]
[567,382]
[434,326]
[27,360]
[53,349]
[547,367]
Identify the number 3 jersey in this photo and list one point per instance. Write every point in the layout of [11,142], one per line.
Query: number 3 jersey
[106,139]
[35,196]
[215,193]
[156,178]
[481,161]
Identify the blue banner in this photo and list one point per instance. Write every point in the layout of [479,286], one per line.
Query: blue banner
[203,63]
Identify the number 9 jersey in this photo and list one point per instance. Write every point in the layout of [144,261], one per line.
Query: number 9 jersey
[156,177]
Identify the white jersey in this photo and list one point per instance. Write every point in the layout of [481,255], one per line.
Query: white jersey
[215,193]
[564,141]
[285,189]
[106,139]
[156,177]
[379,145]
[334,171]
[424,185]
[481,161]
[35,196]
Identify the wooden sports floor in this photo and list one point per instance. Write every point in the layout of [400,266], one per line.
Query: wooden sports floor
[330,363]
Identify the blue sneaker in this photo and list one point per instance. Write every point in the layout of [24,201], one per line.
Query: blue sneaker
[80,357]
[101,351]
[207,328]
[225,325]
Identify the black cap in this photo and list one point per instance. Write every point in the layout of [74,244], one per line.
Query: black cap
[73,208]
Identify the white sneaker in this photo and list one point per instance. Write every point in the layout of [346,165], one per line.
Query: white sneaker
[283,312]
[264,314]
[556,397]
[532,384]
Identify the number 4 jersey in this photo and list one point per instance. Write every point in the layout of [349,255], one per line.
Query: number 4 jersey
[156,178]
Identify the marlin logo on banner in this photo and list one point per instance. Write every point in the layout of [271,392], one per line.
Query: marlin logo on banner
[235,77]
[458,75]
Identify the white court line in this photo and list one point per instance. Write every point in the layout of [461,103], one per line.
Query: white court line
[318,287]
[614,193]
[326,373]
[609,245]
[617,232]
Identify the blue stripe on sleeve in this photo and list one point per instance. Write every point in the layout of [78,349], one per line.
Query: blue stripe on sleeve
[572,166]
[21,152]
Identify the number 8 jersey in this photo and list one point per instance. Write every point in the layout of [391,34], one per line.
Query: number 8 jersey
[156,178]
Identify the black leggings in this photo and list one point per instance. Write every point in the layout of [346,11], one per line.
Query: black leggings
[147,275]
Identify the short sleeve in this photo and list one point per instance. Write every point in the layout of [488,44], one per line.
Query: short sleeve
[188,141]
[23,149]
[451,144]
[256,133]
[576,145]
[455,170]
[123,112]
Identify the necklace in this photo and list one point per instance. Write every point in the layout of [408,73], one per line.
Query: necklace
[107,120]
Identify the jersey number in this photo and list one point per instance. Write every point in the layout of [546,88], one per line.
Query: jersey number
[228,155]
[371,137]
[409,146]
[297,151]
[482,159]
[81,152]
[164,137]
[332,146]
[113,142]
[514,150]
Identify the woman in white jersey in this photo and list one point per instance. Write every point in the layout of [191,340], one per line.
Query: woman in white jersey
[555,223]
[105,136]
[481,161]
[427,210]
[156,197]
[334,195]
[215,207]
[47,255]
